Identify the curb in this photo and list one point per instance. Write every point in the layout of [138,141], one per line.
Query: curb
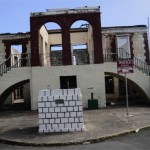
[96,140]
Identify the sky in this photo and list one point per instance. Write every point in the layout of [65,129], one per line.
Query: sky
[15,14]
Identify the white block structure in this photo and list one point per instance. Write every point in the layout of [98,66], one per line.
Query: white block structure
[60,110]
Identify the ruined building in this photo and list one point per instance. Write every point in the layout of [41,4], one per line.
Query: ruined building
[84,57]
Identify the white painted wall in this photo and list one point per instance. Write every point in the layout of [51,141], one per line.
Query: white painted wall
[14,76]
[87,76]
[140,78]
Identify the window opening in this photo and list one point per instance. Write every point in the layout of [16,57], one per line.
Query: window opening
[68,82]
[123,46]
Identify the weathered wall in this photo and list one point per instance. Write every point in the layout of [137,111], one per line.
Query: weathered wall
[134,79]
[76,38]
[90,45]
[42,77]
[138,46]
[44,46]
[14,76]
[137,37]
[13,37]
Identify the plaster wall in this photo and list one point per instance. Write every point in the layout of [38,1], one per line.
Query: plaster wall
[44,51]
[76,38]
[14,76]
[79,38]
[55,39]
[135,77]
[106,42]
[87,76]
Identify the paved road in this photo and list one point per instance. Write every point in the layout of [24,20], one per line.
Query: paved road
[134,141]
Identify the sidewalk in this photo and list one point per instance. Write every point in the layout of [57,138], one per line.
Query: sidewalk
[22,127]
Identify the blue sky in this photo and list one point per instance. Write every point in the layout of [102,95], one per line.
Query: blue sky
[15,14]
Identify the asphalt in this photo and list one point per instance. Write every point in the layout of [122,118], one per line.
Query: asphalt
[21,127]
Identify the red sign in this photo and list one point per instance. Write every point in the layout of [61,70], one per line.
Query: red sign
[125,66]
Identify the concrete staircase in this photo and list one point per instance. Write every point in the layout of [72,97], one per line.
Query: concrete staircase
[11,78]
[139,77]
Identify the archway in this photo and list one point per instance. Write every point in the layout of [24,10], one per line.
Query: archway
[116,94]
[82,47]
[16,96]
[50,44]
[65,18]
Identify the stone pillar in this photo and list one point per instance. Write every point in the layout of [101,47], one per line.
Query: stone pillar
[35,58]
[98,51]
[66,55]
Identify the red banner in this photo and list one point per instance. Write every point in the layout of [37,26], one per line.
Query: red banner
[124,66]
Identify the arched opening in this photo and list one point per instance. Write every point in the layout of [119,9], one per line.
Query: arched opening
[65,18]
[16,97]
[50,44]
[116,91]
[82,47]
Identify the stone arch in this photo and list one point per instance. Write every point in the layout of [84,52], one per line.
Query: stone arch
[46,42]
[82,46]
[133,85]
[10,89]
[65,20]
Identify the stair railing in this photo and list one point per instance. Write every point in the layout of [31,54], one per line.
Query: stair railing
[122,54]
[15,61]
[3,68]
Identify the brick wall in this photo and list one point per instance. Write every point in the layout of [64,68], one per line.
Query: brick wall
[60,110]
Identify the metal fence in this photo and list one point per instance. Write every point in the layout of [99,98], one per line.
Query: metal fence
[122,54]
[47,59]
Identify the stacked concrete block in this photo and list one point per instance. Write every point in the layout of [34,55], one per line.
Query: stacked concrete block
[60,110]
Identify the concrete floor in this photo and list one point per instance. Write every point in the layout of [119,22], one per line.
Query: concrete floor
[21,127]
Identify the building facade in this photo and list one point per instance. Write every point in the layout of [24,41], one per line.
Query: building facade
[83,57]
